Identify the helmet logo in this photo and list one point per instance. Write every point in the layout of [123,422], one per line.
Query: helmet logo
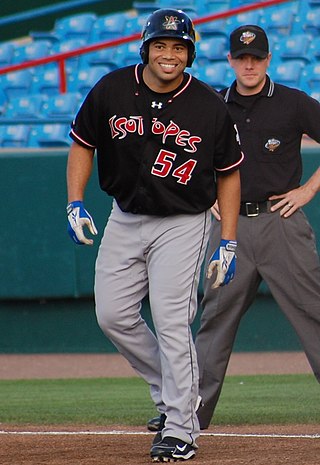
[247,37]
[171,23]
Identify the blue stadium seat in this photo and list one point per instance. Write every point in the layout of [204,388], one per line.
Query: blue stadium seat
[32,51]
[47,81]
[28,106]
[15,135]
[3,102]
[310,80]
[217,75]
[17,83]
[279,21]
[63,106]
[108,27]
[313,3]
[76,26]
[188,6]
[128,54]
[296,46]
[314,50]
[86,79]
[213,29]
[73,63]
[6,53]
[211,49]
[238,3]
[50,136]
[103,57]
[288,73]
[312,22]
[249,17]
[178,4]
[135,24]
[212,6]
[273,41]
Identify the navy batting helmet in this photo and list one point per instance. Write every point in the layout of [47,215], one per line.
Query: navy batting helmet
[167,23]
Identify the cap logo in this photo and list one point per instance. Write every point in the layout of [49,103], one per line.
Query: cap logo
[247,37]
[272,144]
[171,23]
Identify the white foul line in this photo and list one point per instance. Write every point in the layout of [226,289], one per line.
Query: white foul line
[117,432]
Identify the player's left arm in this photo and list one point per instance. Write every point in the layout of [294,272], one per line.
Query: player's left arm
[297,198]
[223,259]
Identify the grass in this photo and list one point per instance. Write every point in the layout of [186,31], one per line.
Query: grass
[267,399]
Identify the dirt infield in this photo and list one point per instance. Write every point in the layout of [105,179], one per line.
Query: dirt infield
[259,445]
[276,445]
[114,365]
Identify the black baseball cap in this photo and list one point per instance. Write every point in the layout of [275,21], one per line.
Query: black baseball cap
[249,39]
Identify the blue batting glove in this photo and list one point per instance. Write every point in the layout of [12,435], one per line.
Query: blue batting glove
[77,218]
[224,261]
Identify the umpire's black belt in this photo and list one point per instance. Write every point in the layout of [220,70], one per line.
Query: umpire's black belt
[255,208]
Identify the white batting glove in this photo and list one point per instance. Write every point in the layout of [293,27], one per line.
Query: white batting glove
[77,218]
[224,261]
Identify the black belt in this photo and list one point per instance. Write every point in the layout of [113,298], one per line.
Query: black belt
[255,208]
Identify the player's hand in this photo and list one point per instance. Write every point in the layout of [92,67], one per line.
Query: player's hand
[224,262]
[77,218]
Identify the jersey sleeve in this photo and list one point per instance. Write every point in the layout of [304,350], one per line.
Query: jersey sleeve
[228,155]
[308,110]
[83,127]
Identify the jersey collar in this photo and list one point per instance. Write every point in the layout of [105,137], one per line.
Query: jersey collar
[267,90]
[138,76]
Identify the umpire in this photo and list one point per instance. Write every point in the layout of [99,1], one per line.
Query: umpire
[275,240]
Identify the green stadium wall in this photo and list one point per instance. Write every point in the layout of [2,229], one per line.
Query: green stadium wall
[46,281]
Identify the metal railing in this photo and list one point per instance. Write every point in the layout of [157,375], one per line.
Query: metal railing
[60,58]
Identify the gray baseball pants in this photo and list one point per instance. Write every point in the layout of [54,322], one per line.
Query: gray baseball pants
[280,251]
[162,256]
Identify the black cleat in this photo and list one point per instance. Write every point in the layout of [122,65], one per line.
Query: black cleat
[157,423]
[157,438]
[171,450]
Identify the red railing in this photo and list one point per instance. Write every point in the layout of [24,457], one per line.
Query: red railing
[60,58]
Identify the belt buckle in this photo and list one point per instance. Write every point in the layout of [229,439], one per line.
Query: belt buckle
[252,209]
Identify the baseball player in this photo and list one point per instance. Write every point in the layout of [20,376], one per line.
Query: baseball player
[276,242]
[162,138]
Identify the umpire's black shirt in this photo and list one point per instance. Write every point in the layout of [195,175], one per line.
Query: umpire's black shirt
[271,125]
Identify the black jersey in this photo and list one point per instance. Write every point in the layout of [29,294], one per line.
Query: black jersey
[157,158]
[271,125]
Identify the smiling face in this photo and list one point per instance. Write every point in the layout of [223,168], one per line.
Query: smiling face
[167,60]
[250,72]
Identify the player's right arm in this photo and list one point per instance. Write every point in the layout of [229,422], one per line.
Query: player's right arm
[79,168]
